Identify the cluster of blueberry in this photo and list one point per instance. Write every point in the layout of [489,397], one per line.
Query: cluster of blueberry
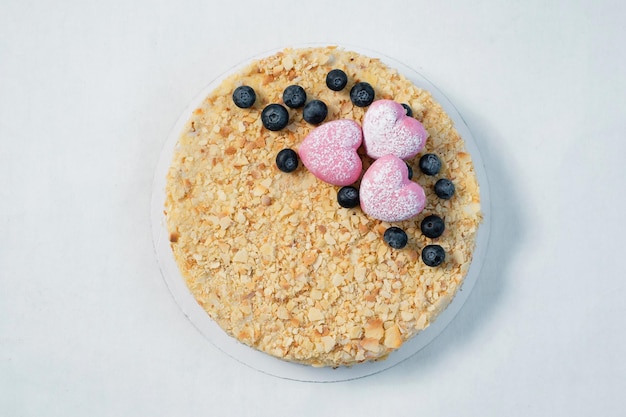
[432,226]
[276,117]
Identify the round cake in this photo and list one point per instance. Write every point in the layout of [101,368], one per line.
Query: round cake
[266,248]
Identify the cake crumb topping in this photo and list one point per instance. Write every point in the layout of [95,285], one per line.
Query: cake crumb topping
[273,258]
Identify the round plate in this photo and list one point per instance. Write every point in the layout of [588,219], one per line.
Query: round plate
[267,363]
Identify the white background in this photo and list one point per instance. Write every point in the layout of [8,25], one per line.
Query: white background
[88,94]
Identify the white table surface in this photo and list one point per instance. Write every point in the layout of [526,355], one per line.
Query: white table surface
[88,94]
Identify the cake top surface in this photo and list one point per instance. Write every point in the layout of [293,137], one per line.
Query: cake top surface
[273,258]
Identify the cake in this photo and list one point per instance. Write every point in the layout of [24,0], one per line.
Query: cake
[273,258]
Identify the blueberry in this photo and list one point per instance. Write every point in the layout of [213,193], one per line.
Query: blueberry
[294,96]
[244,96]
[362,94]
[444,188]
[275,117]
[408,110]
[410,170]
[395,237]
[430,164]
[432,226]
[336,80]
[433,255]
[348,197]
[287,160]
[315,112]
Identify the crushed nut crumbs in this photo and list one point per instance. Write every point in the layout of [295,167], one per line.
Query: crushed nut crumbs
[273,258]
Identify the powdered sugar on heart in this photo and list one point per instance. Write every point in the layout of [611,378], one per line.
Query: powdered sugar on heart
[387,194]
[388,130]
[330,152]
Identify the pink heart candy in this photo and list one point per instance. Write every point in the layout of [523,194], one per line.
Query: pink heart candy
[330,152]
[388,130]
[386,192]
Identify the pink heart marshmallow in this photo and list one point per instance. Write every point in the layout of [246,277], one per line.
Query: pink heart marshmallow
[388,130]
[386,192]
[330,152]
